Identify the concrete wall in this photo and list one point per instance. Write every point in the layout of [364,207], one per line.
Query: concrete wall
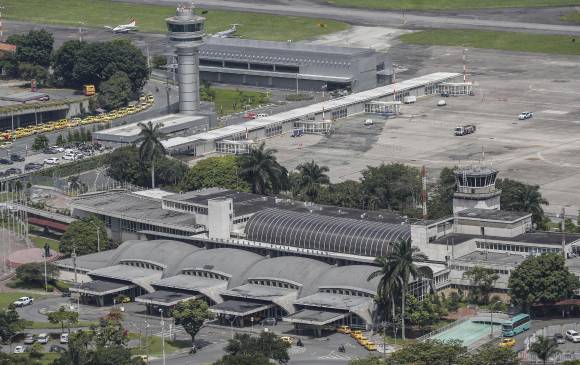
[460,204]
[220,214]
[490,228]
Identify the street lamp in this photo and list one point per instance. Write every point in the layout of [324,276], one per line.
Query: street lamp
[491,319]
[162,334]
[98,236]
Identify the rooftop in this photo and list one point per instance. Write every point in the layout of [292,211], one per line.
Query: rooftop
[261,292]
[163,297]
[490,214]
[170,123]
[492,258]
[546,238]
[334,301]
[309,316]
[130,206]
[188,282]
[100,287]
[89,262]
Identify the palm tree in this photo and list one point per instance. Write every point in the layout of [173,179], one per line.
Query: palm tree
[260,168]
[311,178]
[74,183]
[389,284]
[401,260]
[150,145]
[544,348]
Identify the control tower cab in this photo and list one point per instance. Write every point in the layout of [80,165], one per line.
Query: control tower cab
[475,188]
[186,32]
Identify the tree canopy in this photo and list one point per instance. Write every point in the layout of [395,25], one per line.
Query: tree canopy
[82,235]
[519,197]
[10,323]
[40,142]
[220,171]
[243,347]
[64,61]
[33,272]
[191,315]
[482,280]
[115,92]
[34,48]
[63,317]
[430,352]
[262,171]
[542,279]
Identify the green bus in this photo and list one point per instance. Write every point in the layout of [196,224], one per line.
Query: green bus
[516,325]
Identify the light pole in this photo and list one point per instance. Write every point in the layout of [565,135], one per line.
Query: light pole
[162,335]
[491,319]
[98,236]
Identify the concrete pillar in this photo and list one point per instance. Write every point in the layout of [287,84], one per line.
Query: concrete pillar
[188,75]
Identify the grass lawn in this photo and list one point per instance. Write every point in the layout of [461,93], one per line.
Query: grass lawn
[155,345]
[449,4]
[151,18]
[225,99]
[573,17]
[48,325]
[46,359]
[40,241]
[506,41]
[8,298]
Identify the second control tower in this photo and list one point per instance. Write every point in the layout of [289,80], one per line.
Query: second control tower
[186,31]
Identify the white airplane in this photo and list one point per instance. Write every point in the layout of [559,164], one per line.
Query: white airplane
[123,28]
[228,33]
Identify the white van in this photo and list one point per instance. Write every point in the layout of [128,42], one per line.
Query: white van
[369,122]
[64,338]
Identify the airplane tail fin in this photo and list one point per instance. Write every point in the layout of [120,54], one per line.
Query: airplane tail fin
[133,22]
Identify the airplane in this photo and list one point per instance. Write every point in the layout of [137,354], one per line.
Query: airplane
[123,28]
[228,33]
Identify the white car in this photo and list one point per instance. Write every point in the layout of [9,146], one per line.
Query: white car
[42,338]
[64,338]
[19,349]
[525,115]
[441,103]
[57,149]
[22,301]
[573,336]
[51,161]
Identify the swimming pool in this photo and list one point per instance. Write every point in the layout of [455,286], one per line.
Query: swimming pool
[469,332]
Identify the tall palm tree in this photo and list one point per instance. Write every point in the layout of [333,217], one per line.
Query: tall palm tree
[544,348]
[401,259]
[260,168]
[150,145]
[389,284]
[311,178]
[74,183]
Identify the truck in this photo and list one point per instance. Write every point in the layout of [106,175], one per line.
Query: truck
[23,301]
[409,99]
[465,129]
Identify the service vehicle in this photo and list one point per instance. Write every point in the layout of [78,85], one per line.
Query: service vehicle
[409,99]
[356,334]
[64,338]
[89,90]
[517,324]
[51,161]
[465,129]
[525,115]
[23,301]
[368,122]
[289,340]
[559,338]
[371,346]
[441,103]
[19,349]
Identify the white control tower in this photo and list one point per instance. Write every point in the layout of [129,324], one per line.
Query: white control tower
[186,31]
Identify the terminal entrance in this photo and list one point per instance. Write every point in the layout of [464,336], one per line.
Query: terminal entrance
[384,108]
[455,88]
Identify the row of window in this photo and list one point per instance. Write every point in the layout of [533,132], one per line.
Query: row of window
[185,207]
[131,226]
[514,248]
[442,278]
[241,220]
[274,283]
[205,274]
[273,130]
[353,293]
[191,27]
[339,113]
[272,59]
[465,268]
[143,265]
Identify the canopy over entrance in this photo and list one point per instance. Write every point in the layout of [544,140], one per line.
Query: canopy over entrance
[100,288]
[314,317]
[165,298]
[239,308]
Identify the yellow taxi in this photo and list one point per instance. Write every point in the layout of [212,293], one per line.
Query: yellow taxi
[507,343]
[343,329]
[289,340]
[150,98]
[356,334]
[370,346]
[362,340]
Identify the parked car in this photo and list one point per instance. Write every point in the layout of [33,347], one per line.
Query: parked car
[289,340]
[525,115]
[507,343]
[5,161]
[270,321]
[441,102]
[559,339]
[29,339]
[49,151]
[14,171]
[23,301]
[56,348]
[32,166]
[16,157]
[573,336]
[57,148]
[64,338]
[445,94]
[19,349]
[51,161]
[42,338]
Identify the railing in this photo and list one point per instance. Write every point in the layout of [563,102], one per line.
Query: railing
[444,328]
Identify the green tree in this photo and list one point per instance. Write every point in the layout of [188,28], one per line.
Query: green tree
[115,92]
[158,60]
[267,344]
[544,348]
[491,355]
[28,71]
[311,178]
[371,360]
[10,359]
[123,165]
[394,186]
[191,315]
[519,197]
[77,352]
[424,312]
[169,171]
[10,323]
[60,140]
[440,203]
[82,236]
[261,169]
[62,317]
[347,194]
[75,184]
[35,47]
[402,259]
[64,61]
[33,272]
[430,352]
[220,171]
[482,280]
[389,284]
[542,279]
[150,146]
[40,142]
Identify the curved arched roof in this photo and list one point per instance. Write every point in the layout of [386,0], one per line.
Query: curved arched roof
[301,270]
[230,261]
[326,233]
[168,253]
[350,277]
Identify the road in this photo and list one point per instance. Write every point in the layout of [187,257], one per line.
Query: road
[488,20]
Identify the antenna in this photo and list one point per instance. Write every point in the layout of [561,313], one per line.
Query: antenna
[563,213]
[424,191]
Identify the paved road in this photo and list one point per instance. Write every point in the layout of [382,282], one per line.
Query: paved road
[412,20]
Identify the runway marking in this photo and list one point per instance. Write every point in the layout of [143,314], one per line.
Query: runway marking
[558,112]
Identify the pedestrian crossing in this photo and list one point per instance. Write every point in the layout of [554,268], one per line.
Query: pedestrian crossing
[296,350]
[333,355]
